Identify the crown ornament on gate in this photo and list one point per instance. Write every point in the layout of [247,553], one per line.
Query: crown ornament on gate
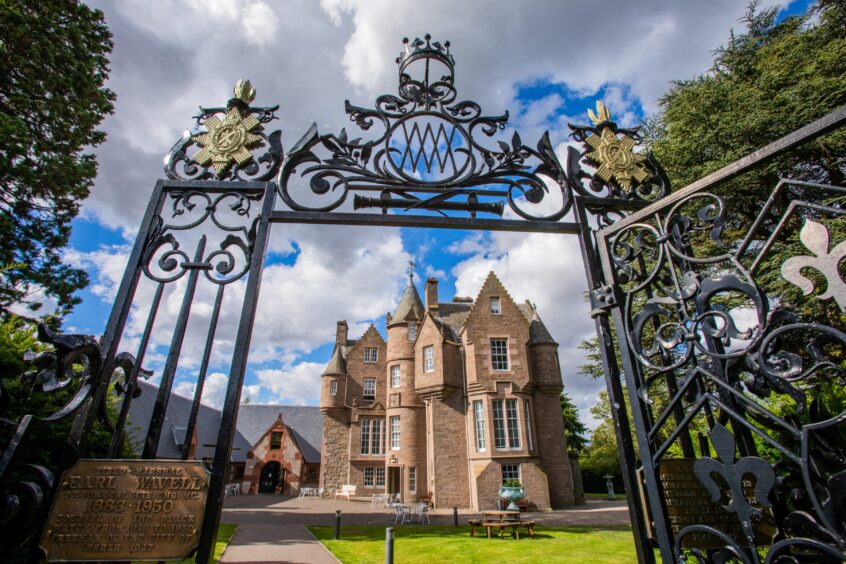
[426,151]
[228,148]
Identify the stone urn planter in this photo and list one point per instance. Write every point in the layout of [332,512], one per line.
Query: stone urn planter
[512,493]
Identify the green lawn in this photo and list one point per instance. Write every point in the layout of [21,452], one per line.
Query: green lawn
[454,544]
[224,535]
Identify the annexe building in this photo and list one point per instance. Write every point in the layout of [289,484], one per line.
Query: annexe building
[276,447]
[460,397]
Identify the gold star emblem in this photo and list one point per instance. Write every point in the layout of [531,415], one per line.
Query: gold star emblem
[615,155]
[227,139]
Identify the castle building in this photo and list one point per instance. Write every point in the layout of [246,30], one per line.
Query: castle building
[460,397]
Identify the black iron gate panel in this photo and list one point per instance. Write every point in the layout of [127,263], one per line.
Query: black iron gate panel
[730,309]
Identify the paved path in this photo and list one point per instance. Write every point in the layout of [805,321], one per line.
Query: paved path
[272,528]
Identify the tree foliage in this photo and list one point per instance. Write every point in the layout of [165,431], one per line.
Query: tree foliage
[573,427]
[53,63]
[766,82]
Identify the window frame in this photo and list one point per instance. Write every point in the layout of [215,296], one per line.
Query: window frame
[364,387]
[506,469]
[396,376]
[395,432]
[496,310]
[412,331]
[512,424]
[333,388]
[371,355]
[499,357]
[479,422]
[372,436]
[369,472]
[500,433]
[276,434]
[429,358]
[527,419]
[380,477]
[412,479]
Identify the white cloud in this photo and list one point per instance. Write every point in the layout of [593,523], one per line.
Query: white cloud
[214,390]
[298,384]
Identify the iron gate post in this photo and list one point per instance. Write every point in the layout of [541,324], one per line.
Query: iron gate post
[622,431]
[229,413]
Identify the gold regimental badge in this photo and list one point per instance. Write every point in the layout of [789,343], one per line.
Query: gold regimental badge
[614,155]
[228,139]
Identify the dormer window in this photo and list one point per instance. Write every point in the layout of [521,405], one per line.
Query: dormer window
[496,308]
[275,440]
[370,355]
[412,331]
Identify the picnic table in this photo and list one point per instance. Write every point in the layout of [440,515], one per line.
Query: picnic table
[502,520]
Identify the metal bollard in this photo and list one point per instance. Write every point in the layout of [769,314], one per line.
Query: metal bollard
[337,524]
[389,545]
[455,516]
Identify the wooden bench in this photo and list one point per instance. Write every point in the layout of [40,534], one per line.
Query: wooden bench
[347,491]
[514,525]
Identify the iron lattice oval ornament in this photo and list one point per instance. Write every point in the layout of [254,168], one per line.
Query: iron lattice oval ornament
[426,148]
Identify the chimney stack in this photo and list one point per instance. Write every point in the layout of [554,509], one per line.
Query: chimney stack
[341,334]
[432,295]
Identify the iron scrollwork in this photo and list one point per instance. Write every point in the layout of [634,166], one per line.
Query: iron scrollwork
[226,148]
[713,348]
[26,486]
[429,152]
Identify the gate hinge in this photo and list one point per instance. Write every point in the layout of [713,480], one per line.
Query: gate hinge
[602,299]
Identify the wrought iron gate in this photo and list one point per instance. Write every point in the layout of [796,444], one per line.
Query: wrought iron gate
[429,159]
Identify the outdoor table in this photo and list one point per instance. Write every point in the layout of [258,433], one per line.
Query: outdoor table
[500,516]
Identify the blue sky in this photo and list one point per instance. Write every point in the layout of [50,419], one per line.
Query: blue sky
[545,62]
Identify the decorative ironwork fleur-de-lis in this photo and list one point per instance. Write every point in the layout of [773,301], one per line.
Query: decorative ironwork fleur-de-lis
[816,239]
[733,472]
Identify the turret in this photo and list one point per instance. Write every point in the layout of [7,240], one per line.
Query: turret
[333,382]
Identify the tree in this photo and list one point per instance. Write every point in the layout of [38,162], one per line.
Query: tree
[767,82]
[573,427]
[53,63]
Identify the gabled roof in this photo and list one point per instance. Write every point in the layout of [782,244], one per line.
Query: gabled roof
[454,314]
[410,306]
[304,422]
[175,425]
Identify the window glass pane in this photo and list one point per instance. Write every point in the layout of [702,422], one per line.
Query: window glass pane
[380,477]
[368,477]
[499,354]
[370,355]
[333,387]
[499,425]
[429,359]
[495,309]
[365,436]
[395,432]
[412,331]
[510,472]
[412,479]
[370,387]
[527,418]
[513,424]
[395,376]
[275,440]
[479,410]
[376,440]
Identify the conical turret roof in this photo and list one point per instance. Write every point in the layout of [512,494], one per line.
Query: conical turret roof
[410,305]
[336,363]
[538,333]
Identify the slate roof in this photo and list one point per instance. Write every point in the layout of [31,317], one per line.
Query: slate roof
[538,333]
[336,363]
[409,303]
[454,314]
[305,423]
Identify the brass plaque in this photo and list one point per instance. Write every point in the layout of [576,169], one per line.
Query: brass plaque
[127,510]
[689,503]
